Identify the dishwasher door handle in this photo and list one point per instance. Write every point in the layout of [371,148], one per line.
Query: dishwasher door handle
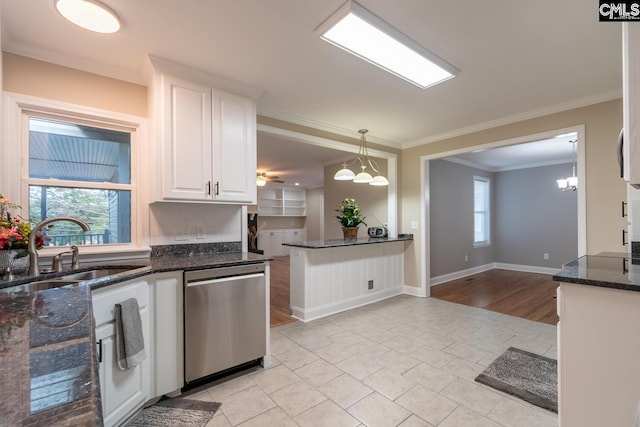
[223,280]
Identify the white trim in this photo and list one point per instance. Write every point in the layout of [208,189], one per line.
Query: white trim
[526,268]
[552,109]
[507,168]
[415,291]
[15,108]
[424,185]
[329,309]
[456,275]
[392,165]
[438,280]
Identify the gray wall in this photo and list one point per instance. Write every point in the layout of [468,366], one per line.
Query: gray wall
[533,217]
[451,221]
[530,217]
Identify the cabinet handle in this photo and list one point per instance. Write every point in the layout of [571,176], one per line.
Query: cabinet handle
[624,210]
[624,237]
[625,268]
[208,188]
[217,188]
[99,344]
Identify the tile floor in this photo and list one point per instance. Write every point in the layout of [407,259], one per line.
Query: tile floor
[405,361]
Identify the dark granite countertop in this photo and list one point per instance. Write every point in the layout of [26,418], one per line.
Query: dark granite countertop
[321,244]
[607,270]
[48,369]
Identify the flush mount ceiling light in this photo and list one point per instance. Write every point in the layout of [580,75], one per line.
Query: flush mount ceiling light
[91,15]
[346,174]
[365,35]
[571,182]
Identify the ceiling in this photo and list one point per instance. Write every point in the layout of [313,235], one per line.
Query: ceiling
[517,59]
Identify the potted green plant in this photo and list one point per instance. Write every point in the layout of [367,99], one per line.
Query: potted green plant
[350,218]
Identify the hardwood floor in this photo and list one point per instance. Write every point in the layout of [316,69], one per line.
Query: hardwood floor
[526,295]
[280,311]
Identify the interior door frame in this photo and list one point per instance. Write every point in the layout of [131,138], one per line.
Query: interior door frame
[425,246]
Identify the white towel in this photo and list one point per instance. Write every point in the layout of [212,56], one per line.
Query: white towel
[129,337]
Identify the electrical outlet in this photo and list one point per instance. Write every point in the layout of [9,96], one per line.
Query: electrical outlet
[414,225]
[545,256]
[370,285]
[466,257]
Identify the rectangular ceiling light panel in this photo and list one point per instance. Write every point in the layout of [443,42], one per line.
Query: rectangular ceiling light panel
[363,34]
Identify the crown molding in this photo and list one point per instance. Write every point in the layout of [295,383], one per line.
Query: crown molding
[291,118]
[74,62]
[486,168]
[532,114]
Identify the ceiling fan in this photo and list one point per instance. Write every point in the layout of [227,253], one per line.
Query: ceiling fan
[262,178]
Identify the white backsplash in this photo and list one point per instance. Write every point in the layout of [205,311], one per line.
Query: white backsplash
[184,223]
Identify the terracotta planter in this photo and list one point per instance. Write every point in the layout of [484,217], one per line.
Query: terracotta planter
[350,233]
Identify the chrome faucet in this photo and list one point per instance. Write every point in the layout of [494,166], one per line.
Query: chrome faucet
[56,261]
[34,267]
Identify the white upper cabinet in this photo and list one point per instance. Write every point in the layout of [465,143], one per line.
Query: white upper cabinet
[205,136]
[631,102]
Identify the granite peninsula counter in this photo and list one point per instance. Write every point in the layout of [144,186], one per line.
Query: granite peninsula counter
[48,357]
[598,340]
[330,276]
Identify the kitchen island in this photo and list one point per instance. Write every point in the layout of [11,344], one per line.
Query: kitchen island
[330,276]
[49,361]
[598,341]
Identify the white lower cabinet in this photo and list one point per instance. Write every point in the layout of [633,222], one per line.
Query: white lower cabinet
[270,241]
[122,392]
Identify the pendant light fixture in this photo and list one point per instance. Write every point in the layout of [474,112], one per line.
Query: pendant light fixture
[571,182]
[363,177]
[91,15]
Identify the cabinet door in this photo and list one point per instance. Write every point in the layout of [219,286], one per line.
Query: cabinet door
[234,148]
[631,102]
[270,242]
[187,138]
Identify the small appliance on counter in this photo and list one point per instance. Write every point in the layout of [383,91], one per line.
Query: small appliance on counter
[378,232]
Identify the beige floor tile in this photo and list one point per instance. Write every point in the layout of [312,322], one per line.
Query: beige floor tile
[434,341]
[471,395]
[515,414]
[227,388]
[274,379]
[246,404]
[297,398]
[281,344]
[464,417]
[318,372]
[297,358]
[336,352]
[426,404]
[326,414]
[466,351]
[346,338]
[371,349]
[433,357]
[219,421]
[359,367]
[376,410]
[403,344]
[397,361]
[414,421]
[388,383]
[345,390]
[434,378]
[464,369]
[275,417]
[314,341]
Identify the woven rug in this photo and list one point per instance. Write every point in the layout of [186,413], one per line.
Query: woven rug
[176,413]
[526,375]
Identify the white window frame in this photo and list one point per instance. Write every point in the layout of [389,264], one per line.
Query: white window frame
[487,216]
[15,176]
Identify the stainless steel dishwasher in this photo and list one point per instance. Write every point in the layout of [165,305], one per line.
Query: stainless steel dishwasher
[225,319]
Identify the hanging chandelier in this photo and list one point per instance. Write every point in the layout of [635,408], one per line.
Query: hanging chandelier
[571,182]
[346,174]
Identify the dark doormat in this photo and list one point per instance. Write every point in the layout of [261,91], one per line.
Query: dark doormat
[526,375]
[176,413]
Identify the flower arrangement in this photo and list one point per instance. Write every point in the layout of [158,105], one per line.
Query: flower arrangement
[14,232]
[350,215]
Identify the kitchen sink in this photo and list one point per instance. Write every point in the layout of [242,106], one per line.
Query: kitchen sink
[42,285]
[94,274]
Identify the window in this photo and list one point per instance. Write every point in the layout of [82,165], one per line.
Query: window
[481,211]
[82,171]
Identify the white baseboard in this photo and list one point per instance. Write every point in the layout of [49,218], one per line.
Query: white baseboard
[415,291]
[329,309]
[439,280]
[526,268]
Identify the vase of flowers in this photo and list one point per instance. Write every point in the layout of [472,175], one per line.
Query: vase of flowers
[350,218]
[14,238]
